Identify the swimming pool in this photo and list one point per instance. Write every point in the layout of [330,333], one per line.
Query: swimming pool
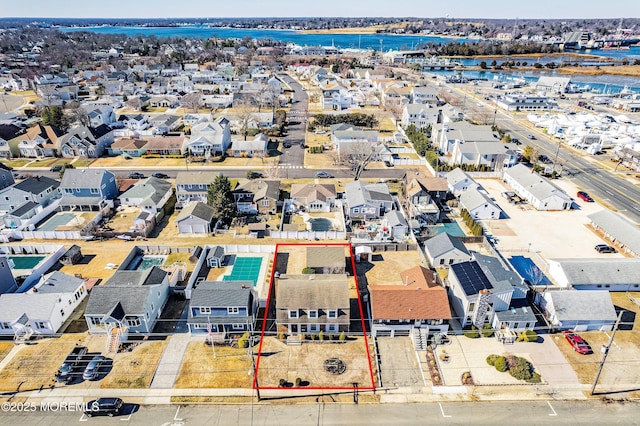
[529,270]
[141,263]
[451,228]
[245,269]
[320,224]
[26,262]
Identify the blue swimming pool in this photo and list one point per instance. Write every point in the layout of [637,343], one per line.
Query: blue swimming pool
[529,270]
[141,263]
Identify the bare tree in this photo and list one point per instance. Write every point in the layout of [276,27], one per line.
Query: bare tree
[536,276]
[356,157]
[245,115]
[192,100]
[134,103]
[272,171]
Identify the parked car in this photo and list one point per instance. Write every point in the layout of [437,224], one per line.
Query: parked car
[604,248]
[160,175]
[136,175]
[388,163]
[577,343]
[585,197]
[544,159]
[104,407]
[323,175]
[71,364]
[516,141]
[56,168]
[254,175]
[286,144]
[530,136]
[94,368]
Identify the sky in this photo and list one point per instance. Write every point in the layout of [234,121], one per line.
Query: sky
[552,9]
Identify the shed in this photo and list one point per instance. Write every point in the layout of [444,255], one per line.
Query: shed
[215,257]
[72,256]
[363,253]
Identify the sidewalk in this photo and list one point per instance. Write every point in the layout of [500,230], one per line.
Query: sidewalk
[170,362]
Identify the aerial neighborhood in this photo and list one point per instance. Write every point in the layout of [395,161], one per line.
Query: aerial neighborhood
[329,219]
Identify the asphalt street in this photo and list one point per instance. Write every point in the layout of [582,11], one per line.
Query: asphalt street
[449,413]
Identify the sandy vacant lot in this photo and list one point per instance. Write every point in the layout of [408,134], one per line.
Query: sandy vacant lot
[387,266]
[278,361]
[561,234]
[228,369]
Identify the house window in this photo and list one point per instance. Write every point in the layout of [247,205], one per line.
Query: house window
[133,321]
[68,191]
[356,210]
[5,325]
[233,310]
[265,203]
[205,310]
[199,325]
[313,313]
[293,313]
[442,261]
[332,327]
[472,306]
[333,313]
[94,191]
[237,326]
[314,327]
[153,308]
[95,320]
[41,324]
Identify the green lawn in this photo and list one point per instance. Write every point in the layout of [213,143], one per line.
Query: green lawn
[15,163]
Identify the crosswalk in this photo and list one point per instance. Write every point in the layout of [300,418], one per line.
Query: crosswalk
[289,166]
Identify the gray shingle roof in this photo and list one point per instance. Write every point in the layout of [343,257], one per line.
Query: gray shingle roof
[222,294]
[36,185]
[501,278]
[84,178]
[151,187]
[359,193]
[197,178]
[619,228]
[473,198]
[395,218]
[197,209]
[321,292]
[601,271]
[444,243]
[591,305]
[537,185]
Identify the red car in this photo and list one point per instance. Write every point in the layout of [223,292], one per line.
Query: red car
[577,343]
[585,197]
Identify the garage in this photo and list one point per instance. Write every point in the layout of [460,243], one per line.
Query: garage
[195,218]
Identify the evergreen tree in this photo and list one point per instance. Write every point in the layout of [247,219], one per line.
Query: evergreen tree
[219,197]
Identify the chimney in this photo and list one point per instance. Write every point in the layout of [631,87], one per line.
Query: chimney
[439,117]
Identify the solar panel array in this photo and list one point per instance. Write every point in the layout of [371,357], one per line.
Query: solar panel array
[471,277]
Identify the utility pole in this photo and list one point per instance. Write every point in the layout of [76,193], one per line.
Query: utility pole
[606,352]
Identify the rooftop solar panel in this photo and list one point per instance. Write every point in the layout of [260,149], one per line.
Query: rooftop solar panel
[471,277]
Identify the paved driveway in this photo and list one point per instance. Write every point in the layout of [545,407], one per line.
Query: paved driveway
[399,363]
[547,359]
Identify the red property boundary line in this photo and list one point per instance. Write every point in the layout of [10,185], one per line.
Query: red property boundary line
[255,385]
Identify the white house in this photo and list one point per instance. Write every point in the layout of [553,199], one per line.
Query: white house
[195,218]
[420,115]
[459,181]
[314,197]
[596,274]
[42,309]
[444,250]
[210,138]
[150,194]
[424,95]
[256,147]
[537,190]
[474,298]
[479,205]
[582,310]
[524,102]
[396,224]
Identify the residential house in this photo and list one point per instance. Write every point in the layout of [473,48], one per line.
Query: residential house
[87,189]
[129,146]
[39,141]
[164,101]
[195,218]
[618,230]
[165,145]
[502,275]
[164,123]
[419,202]
[396,97]
[7,281]
[524,102]
[596,274]
[150,195]
[582,310]
[396,224]
[419,302]
[99,114]
[424,95]
[459,181]
[193,186]
[537,190]
[305,305]
[327,259]
[516,319]
[314,197]
[129,299]
[43,309]
[353,134]
[210,138]
[5,149]
[86,142]
[479,205]
[368,200]
[222,307]
[6,176]
[473,297]
[443,250]
[420,115]
[39,190]
[257,196]
[258,147]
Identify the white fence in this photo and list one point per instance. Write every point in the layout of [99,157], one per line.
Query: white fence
[407,162]
[50,235]
[309,235]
